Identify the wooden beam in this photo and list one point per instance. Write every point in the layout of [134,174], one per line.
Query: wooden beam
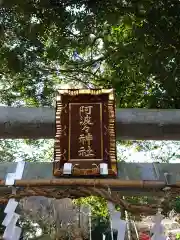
[147,124]
[126,171]
[90,182]
[144,178]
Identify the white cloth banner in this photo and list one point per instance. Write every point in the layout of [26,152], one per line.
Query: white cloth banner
[12,232]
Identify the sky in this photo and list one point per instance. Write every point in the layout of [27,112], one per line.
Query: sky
[152,151]
[165,151]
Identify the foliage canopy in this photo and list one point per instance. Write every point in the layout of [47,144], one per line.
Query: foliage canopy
[132,46]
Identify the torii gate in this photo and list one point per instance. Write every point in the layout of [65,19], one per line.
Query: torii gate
[130,179]
[144,124]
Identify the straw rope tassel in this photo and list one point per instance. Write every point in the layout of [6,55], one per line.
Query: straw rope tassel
[158,229]
[90,225]
[116,222]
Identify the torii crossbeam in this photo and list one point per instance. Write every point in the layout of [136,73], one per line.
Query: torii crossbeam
[131,124]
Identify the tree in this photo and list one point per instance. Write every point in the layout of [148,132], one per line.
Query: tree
[135,43]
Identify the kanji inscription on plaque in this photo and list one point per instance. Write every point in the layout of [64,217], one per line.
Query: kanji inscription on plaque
[85,131]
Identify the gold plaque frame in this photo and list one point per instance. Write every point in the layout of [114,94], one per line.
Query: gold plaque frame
[62,155]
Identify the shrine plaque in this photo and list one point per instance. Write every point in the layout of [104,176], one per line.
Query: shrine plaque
[85,131]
